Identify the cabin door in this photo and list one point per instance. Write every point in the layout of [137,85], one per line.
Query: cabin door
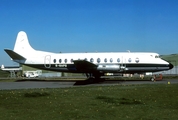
[47,61]
[123,63]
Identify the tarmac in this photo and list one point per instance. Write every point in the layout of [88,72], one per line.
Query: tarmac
[31,84]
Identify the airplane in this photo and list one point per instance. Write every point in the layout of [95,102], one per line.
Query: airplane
[94,65]
[11,69]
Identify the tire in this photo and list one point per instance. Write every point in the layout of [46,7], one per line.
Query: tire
[152,79]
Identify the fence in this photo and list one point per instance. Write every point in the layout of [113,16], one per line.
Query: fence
[173,71]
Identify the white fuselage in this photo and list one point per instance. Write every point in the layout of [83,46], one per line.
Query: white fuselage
[105,62]
[94,63]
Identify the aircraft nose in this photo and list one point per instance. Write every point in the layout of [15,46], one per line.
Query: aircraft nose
[171,66]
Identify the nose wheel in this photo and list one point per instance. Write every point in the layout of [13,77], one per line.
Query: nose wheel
[152,79]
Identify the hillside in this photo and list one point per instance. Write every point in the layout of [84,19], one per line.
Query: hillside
[173,58]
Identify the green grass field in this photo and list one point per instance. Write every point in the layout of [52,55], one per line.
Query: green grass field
[136,102]
[4,74]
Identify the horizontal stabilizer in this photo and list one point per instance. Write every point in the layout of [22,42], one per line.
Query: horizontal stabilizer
[84,65]
[14,55]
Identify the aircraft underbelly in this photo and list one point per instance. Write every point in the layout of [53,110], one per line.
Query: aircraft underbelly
[103,68]
[147,69]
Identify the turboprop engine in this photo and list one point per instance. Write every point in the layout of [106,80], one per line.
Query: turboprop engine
[109,68]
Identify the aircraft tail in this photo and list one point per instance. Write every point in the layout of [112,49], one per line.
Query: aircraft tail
[22,46]
[2,66]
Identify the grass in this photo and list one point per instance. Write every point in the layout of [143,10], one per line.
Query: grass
[4,74]
[136,102]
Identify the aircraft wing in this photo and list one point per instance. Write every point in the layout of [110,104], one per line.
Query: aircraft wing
[83,65]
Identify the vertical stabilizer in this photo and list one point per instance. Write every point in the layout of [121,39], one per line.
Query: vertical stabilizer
[2,66]
[22,45]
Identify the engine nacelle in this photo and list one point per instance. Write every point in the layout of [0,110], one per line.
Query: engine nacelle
[109,68]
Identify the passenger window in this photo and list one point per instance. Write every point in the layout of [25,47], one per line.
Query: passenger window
[98,60]
[129,60]
[92,60]
[54,60]
[60,60]
[111,60]
[65,60]
[71,60]
[137,60]
[105,60]
[118,59]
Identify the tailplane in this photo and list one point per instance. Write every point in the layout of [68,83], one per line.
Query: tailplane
[14,55]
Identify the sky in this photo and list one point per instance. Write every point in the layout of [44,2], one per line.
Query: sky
[90,25]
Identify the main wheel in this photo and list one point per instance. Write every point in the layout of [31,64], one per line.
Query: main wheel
[152,79]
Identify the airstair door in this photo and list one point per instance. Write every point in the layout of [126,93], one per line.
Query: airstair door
[47,61]
[123,63]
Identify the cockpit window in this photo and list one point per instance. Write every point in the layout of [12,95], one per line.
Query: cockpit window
[157,56]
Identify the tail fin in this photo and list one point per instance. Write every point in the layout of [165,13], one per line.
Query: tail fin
[2,66]
[22,45]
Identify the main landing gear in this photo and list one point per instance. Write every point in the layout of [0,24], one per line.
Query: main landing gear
[94,77]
